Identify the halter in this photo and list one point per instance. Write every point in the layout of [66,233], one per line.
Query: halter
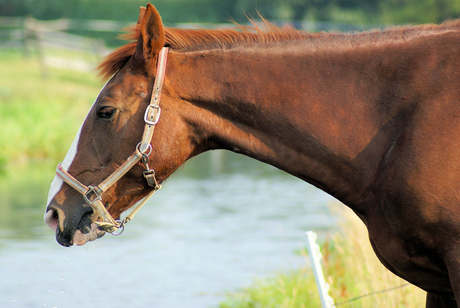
[93,194]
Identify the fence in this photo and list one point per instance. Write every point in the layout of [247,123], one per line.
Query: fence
[323,288]
[38,38]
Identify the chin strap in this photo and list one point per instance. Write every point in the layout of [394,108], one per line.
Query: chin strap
[93,194]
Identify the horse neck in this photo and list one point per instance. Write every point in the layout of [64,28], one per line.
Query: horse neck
[301,113]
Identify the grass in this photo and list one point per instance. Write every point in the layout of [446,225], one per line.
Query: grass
[351,269]
[40,116]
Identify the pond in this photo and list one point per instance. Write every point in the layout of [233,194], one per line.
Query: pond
[217,224]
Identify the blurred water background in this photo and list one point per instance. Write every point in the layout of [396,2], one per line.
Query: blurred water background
[217,224]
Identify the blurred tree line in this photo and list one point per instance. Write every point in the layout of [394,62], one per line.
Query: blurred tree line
[221,11]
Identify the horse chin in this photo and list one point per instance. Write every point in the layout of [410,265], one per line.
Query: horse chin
[81,238]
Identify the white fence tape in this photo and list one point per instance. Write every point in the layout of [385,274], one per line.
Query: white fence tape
[315,259]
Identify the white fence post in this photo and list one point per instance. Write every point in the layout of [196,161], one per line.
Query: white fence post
[315,259]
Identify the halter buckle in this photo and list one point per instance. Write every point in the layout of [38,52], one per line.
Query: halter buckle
[96,196]
[149,175]
[152,114]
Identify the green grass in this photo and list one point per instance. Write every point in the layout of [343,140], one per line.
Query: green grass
[294,289]
[39,117]
[351,269]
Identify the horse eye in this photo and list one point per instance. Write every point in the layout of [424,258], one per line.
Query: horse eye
[106,112]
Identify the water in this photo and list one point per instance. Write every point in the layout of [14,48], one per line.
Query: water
[215,226]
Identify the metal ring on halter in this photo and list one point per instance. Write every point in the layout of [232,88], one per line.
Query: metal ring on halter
[92,189]
[117,232]
[149,147]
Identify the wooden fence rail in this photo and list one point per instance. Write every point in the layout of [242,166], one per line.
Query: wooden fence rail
[64,24]
[38,37]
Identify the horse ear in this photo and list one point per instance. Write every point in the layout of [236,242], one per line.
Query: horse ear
[152,36]
[141,14]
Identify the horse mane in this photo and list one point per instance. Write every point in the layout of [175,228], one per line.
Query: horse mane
[187,40]
[264,33]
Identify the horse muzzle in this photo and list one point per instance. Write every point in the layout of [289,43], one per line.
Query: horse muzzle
[78,230]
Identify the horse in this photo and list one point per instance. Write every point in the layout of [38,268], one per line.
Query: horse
[371,118]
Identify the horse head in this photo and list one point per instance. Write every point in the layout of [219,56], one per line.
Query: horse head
[111,132]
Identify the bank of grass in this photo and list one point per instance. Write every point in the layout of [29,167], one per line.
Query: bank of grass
[39,117]
[350,267]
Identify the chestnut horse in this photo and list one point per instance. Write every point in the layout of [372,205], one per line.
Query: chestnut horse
[371,118]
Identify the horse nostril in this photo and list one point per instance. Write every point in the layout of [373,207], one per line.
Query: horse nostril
[85,223]
[85,230]
[52,219]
